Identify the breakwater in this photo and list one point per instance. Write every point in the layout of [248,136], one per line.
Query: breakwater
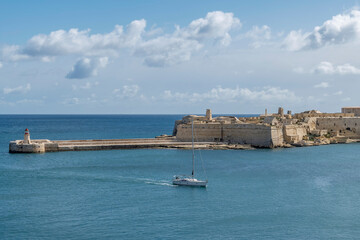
[45,145]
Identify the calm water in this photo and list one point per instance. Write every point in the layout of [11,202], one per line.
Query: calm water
[298,193]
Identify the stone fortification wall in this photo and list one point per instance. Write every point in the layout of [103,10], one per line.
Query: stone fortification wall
[294,133]
[203,132]
[257,135]
[277,137]
[344,126]
[322,115]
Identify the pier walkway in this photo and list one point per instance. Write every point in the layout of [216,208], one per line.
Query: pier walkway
[45,145]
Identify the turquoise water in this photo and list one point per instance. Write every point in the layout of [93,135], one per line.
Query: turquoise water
[297,193]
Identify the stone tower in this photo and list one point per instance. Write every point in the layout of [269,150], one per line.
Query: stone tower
[27,137]
[208,115]
[281,112]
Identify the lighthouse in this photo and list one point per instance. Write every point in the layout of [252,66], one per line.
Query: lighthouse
[27,137]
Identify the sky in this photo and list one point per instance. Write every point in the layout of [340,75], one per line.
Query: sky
[178,57]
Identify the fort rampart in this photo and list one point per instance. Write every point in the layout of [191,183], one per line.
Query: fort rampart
[257,135]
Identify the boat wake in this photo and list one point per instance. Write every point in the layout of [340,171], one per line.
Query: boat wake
[161,183]
[150,181]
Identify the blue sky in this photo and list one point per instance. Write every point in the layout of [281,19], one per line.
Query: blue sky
[178,56]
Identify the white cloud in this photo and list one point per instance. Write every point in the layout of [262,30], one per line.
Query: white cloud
[340,29]
[63,42]
[127,91]
[295,40]
[87,67]
[178,47]
[216,25]
[77,43]
[19,89]
[328,68]
[157,50]
[347,69]
[1,65]
[165,51]
[322,85]
[130,90]
[220,94]
[259,35]
[12,53]
[338,93]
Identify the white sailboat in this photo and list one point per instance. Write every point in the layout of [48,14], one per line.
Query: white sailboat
[183,180]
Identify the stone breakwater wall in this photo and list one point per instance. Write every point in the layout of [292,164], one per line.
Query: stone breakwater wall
[257,135]
[44,145]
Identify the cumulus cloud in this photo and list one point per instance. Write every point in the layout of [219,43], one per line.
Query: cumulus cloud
[216,25]
[12,53]
[74,41]
[87,67]
[322,85]
[259,35]
[340,29]
[1,65]
[130,90]
[165,51]
[179,46]
[20,89]
[329,69]
[158,49]
[234,94]
[127,91]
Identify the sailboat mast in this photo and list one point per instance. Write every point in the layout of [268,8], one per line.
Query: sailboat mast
[193,153]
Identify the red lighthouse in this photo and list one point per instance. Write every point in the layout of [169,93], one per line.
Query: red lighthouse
[27,136]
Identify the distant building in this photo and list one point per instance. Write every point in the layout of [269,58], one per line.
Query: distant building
[355,110]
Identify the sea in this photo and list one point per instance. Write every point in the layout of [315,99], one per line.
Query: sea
[292,193]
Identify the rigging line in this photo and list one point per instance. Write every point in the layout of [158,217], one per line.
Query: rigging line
[202,162]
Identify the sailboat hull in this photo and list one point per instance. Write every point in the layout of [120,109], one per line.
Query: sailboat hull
[189,182]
